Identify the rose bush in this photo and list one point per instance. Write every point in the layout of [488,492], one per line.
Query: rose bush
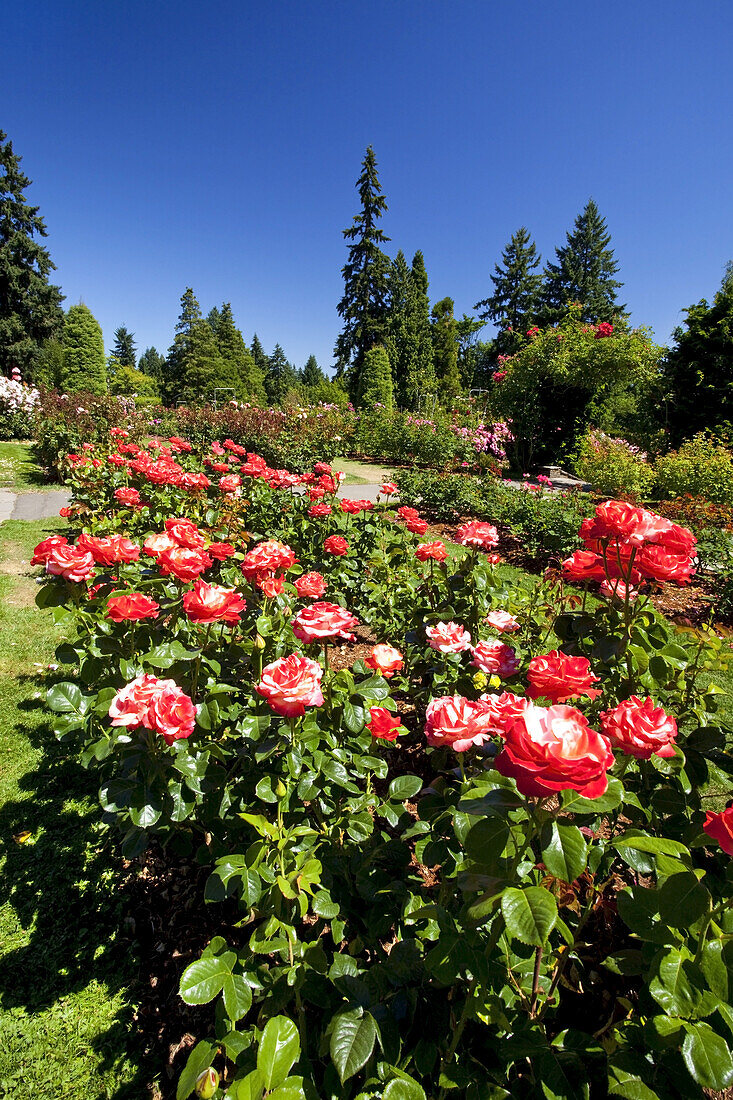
[444,888]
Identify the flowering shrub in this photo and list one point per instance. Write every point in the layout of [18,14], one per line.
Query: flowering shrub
[17,404]
[462,866]
[614,467]
[702,467]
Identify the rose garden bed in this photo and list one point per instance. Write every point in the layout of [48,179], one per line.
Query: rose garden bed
[466,855]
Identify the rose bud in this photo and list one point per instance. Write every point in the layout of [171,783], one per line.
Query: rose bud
[207,1083]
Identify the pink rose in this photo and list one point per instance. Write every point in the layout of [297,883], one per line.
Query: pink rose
[448,637]
[495,658]
[291,684]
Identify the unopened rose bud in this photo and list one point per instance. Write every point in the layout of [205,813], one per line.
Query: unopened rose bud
[259,641]
[480,681]
[207,1083]
[280,789]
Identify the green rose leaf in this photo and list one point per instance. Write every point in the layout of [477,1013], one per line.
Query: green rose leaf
[486,840]
[237,996]
[564,851]
[530,914]
[204,979]
[279,1048]
[707,1056]
[680,987]
[199,1060]
[400,1089]
[65,698]
[404,787]
[352,1042]
[682,900]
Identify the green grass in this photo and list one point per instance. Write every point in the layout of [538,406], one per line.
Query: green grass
[19,470]
[65,1017]
[361,473]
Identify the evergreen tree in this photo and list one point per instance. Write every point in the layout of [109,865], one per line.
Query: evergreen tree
[151,362]
[49,367]
[409,342]
[375,380]
[584,273]
[281,377]
[699,369]
[513,304]
[312,374]
[445,351]
[363,306]
[124,349]
[213,319]
[249,378]
[179,354]
[205,372]
[30,306]
[84,367]
[258,354]
[467,330]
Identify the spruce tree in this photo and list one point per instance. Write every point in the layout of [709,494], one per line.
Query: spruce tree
[312,374]
[408,342]
[30,306]
[259,355]
[424,380]
[363,306]
[213,319]
[513,303]
[584,273]
[151,362]
[84,366]
[179,352]
[249,378]
[445,351]
[375,381]
[124,349]
[281,377]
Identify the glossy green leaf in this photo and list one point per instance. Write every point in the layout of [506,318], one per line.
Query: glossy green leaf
[404,787]
[707,1056]
[199,1060]
[203,980]
[683,900]
[237,996]
[564,851]
[278,1050]
[529,914]
[352,1042]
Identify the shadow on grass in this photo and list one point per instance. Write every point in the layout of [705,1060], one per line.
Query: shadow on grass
[93,918]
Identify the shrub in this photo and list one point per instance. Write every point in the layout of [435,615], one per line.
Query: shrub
[17,405]
[702,467]
[613,467]
[64,423]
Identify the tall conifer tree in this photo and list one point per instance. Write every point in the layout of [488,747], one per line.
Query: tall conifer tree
[363,306]
[409,341]
[445,351]
[280,377]
[124,349]
[259,355]
[249,378]
[513,303]
[30,306]
[584,273]
[84,366]
[312,373]
[151,362]
[180,352]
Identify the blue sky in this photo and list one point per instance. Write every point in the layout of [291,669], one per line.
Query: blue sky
[217,145]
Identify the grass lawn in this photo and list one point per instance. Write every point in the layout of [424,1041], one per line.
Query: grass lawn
[19,471]
[64,1008]
[361,473]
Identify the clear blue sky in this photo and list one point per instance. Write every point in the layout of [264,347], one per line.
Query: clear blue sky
[217,145]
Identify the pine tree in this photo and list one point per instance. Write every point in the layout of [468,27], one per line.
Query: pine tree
[408,343]
[179,353]
[84,367]
[375,381]
[363,306]
[699,368]
[281,377]
[249,378]
[513,304]
[206,376]
[151,362]
[30,306]
[312,374]
[584,273]
[124,349]
[258,354]
[213,319]
[445,351]
[467,330]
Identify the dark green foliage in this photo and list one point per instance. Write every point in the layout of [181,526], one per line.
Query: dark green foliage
[49,365]
[128,381]
[151,363]
[195,370]
[179,354]
[124,349]
[409,341]
[312,374]
[213,317]
[445,351]
[467,330]
[84,367]
[364,305]
[239,360]
[513,303]
[699,368]
[584,272]
[281,377]
[30,307]
[258,354]
[375,380]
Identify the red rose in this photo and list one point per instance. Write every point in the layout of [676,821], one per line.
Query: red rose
[322,468]
[179,444]
[155,545]
[353,507]
[502,621]
[640,728]
[417,526]
[70,562]
[220,550]
[270,585]
[503,709]
[185,533]
[336,545]
[657,564]
[267,557]
[158,705]
[495,658]
[316,494]
[604,329]
[388,488]
[110,550]
[618,590]
[129,497]
[194,482]
[183,564]
[65,512]
[385,659]
[230,484]
[43,550]
[130,705]
[553,749]
[212,603]
[310,586]
[317,510]
[557,677]
[583,565]
[720,828]
[476,533]
[291,684]
[408,513]
[457,722]
[448,637]
[322,622]
[382,723]
[132,608]
[431,550]
[164,472]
